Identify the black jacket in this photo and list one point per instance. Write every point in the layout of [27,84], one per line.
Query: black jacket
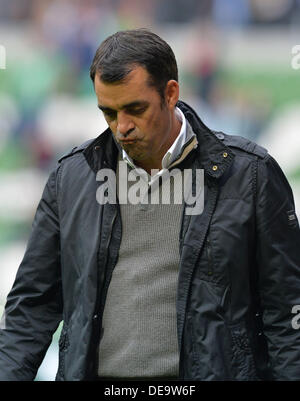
[239,274]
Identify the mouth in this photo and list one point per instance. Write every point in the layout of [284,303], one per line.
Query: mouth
[127,141]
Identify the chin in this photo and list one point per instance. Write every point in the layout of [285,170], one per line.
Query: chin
[135,156]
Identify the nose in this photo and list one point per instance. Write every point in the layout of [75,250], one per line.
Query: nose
[125,125]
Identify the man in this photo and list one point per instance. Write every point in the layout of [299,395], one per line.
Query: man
[147,290]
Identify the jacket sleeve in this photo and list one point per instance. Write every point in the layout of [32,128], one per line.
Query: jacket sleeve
[278,258]
[34,305]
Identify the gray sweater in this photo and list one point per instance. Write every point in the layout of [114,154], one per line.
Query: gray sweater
[139,321]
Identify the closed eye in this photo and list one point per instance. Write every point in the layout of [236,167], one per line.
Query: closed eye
[111,114]
[137,111]
[134,109]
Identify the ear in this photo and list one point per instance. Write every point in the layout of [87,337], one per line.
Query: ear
[172,94]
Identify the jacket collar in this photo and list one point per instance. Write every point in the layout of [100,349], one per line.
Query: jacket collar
[214,156]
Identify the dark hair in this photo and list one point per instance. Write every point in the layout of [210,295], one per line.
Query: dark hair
[121,52]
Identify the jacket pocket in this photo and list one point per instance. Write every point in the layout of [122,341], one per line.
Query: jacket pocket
[243,360]
[63,345]
[205,265]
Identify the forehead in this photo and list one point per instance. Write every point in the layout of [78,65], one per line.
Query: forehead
[134,89]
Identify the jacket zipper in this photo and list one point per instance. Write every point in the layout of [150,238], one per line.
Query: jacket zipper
[101,300]
[212,198]
[106,282]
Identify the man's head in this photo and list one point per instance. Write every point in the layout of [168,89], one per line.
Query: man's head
[121,52]
[135,80]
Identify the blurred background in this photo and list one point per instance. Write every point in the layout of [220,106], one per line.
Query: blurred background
[235,67]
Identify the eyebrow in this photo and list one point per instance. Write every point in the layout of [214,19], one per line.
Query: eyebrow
[137,103]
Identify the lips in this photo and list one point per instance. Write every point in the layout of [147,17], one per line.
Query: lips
[127,141]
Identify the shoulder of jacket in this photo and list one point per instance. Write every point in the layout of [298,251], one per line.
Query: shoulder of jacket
[75,150]
[241,143]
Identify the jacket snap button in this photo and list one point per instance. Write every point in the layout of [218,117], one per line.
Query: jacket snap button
[97,147]
[215,168]
[225,154]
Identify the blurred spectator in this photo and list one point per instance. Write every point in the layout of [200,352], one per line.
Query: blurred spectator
[231,13]
[182,11]
[272,11]
[203,52]
[15,10]
[135,13]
